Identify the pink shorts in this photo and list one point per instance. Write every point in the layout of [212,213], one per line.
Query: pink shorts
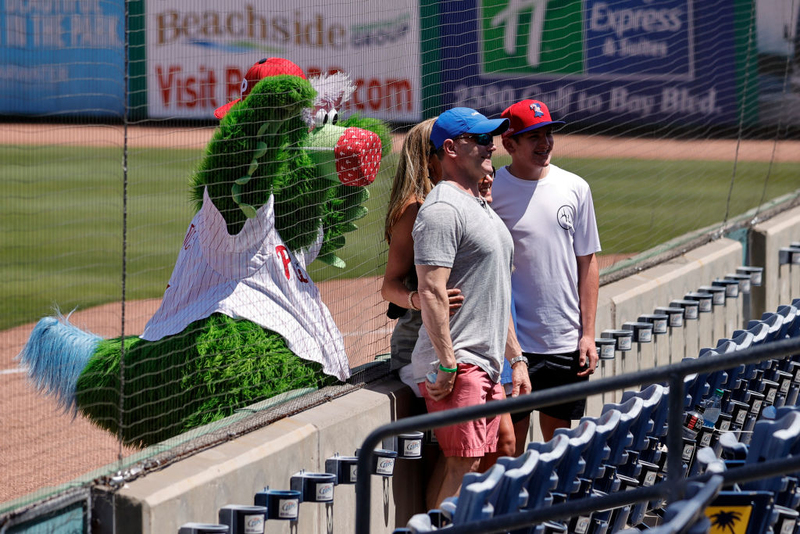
[471,438]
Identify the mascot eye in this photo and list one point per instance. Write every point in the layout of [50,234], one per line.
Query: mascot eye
[321,117]
[333,116]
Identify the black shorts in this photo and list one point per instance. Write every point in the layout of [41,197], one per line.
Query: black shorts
[553,370]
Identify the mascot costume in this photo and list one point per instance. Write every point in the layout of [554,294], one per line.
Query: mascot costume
[280,184]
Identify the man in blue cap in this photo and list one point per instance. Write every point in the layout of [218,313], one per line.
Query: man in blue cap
[460,242]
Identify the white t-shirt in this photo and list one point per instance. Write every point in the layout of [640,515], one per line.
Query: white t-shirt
[251,275]
[552,221]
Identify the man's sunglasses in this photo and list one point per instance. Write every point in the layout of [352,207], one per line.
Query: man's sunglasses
[483,139]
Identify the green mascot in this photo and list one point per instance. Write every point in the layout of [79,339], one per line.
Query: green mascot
[281,183]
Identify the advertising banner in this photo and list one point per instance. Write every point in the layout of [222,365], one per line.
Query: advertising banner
[198,52]
[632,61]
[62,57]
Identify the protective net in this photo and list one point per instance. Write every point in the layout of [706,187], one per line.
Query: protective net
[681,115]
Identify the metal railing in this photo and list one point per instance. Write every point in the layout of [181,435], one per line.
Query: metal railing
[672,488]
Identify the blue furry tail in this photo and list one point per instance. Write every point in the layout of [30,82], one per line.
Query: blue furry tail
[55,355]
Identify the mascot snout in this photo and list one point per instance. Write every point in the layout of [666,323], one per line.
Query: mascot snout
[358,156]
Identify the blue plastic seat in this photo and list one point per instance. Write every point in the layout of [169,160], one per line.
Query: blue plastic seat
[771,440]
[775,323]
[511,495]
[730,509]
[789,313]
[708,382]
[619,442]
[417,523]
[642,429]
[622,438]
[735,374]
[708,461]
[660,415]
[760,331]
[544,478]
[794,330]
[580,438]
[597,452]
[473,501]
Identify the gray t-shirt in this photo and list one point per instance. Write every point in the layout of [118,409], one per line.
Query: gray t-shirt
[459,231]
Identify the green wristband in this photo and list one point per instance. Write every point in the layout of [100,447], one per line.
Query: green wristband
[447,369]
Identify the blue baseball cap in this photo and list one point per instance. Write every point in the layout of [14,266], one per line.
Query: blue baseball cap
[458,121]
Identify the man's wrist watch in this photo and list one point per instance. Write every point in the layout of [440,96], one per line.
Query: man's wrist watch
[518,359]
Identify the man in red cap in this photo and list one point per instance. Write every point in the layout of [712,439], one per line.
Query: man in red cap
[550,214]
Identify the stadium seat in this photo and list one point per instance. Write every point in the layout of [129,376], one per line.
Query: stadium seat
[774,322]
[644,426]
[705,383]
[511,495]
[788,313]
[708,461]
[779,438]
[417,523]
[619,442]
[473,501]
[794,330]
[544,478]
[598,451]
[622,438]
[567,471]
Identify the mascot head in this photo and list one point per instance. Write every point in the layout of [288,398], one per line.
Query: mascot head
[273,66]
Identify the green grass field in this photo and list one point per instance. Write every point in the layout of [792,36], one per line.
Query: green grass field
[61,217]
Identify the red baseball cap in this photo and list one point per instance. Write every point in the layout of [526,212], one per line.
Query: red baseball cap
[273,66]
[527,115]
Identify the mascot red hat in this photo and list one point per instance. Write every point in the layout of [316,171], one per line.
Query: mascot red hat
[274,66]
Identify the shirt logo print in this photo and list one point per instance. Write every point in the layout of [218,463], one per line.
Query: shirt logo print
[565,217]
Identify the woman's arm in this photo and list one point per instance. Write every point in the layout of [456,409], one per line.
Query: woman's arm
[401,261]
[401,258]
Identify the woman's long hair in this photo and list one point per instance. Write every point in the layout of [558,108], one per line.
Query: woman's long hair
[412,179]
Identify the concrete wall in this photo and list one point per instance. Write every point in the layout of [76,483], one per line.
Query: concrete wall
[781,282]
[194,489]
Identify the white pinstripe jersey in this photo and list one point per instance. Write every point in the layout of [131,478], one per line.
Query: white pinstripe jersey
[251,275]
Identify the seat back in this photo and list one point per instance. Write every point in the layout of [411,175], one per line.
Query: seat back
[735,374]
[473,500]
[652,397]
[544,478]
[573,465]
[621,438]
[598,451]
[794,330]
[788,313]
[418,523]
[772,440]
[774,322]
[760,331]
[511,495]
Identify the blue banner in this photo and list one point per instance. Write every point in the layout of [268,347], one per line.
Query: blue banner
[612,61]
[62,57]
